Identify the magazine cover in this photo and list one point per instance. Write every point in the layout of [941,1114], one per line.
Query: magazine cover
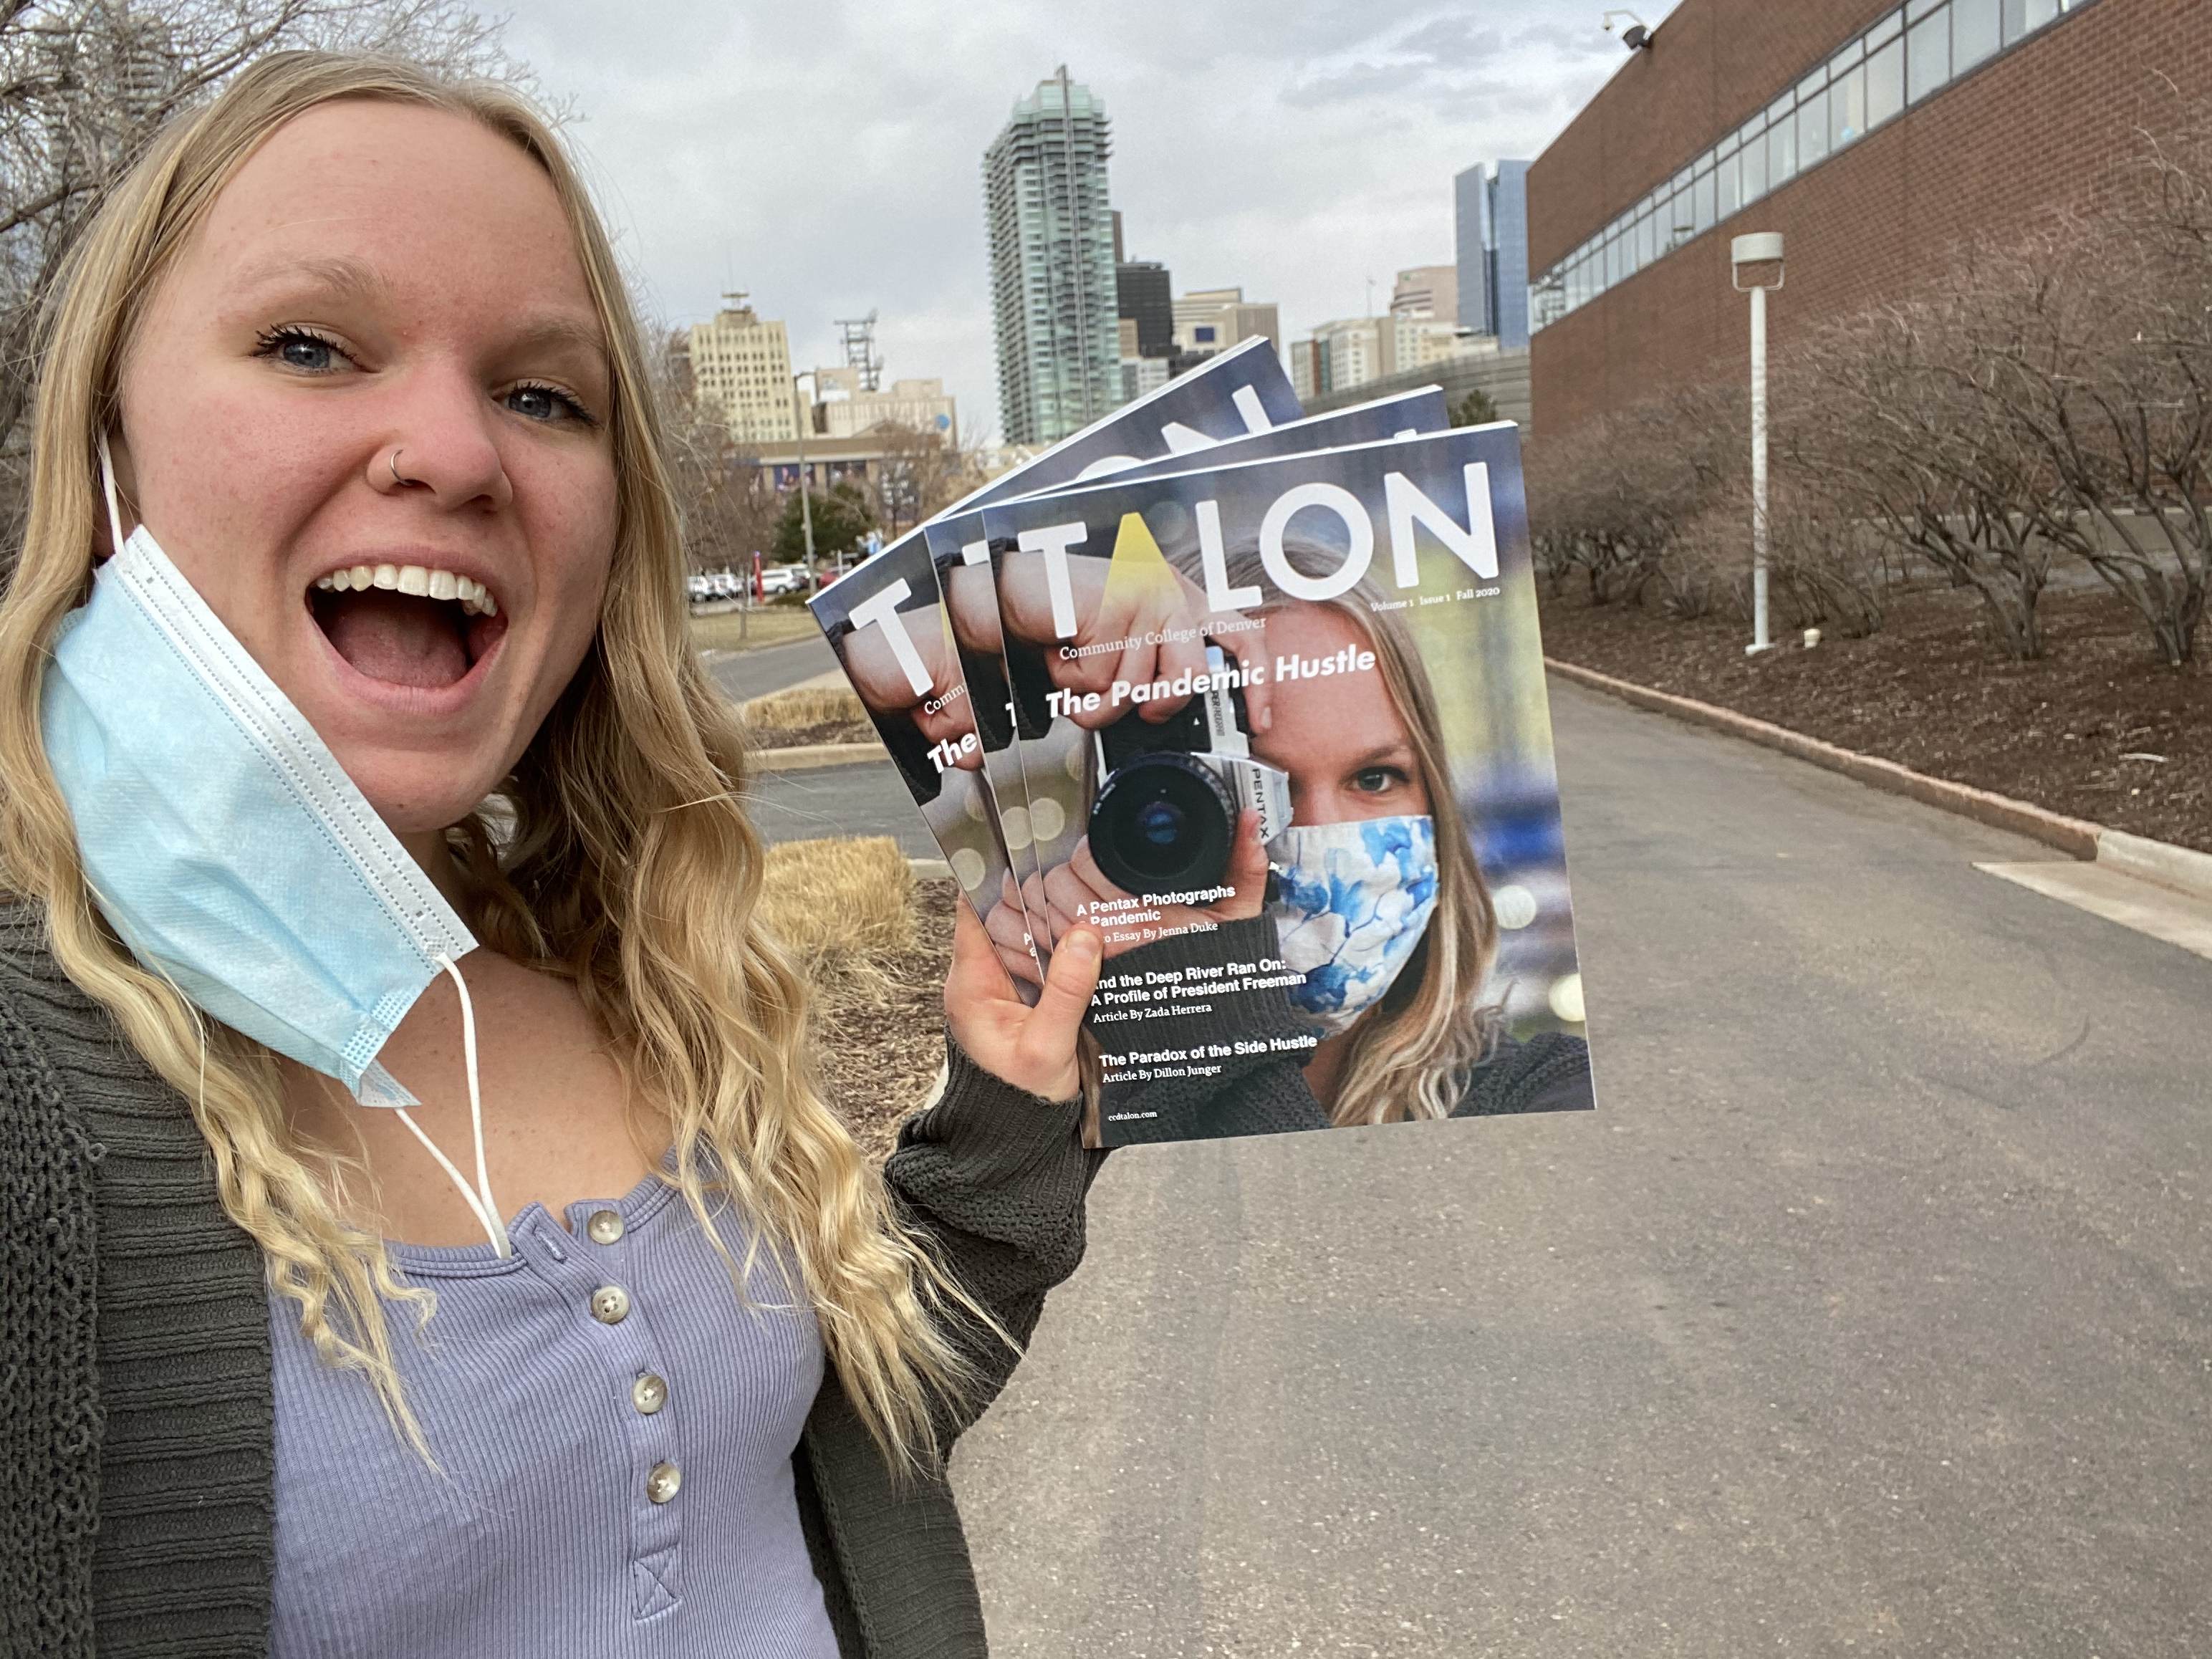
[908,653]
[1293,732]
[895,639]
[1402,415]
[1035,828]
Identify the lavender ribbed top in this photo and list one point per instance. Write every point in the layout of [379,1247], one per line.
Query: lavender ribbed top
[614,1429]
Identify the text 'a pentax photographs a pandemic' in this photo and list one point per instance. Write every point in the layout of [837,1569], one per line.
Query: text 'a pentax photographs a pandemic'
[1271,716]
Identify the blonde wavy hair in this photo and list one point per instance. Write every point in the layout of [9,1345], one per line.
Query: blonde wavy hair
[1412,1057]
[622,860]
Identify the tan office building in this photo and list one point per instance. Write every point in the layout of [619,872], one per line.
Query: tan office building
[742,362]
[845,408]
[1216,319]
[1427,291]
[1358,351]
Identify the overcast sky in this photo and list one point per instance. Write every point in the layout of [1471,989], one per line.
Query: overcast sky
[826,156]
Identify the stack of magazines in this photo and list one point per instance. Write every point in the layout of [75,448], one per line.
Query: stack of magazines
[1261,698]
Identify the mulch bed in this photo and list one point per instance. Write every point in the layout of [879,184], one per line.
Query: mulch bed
[877,1034]
[796,736]
[1933,690]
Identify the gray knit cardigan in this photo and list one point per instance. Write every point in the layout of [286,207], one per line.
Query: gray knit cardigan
[136,1423]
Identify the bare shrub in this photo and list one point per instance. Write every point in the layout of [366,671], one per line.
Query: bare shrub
[1708,566]
[1830,571]
[2106,370]
[1888,427]
[1612,498]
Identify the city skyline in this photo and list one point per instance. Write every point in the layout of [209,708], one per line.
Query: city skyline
[828,164]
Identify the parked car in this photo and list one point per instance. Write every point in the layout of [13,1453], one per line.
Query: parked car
[783,578]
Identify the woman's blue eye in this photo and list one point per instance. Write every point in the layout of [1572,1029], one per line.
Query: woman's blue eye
[1374,779]
[303,351]
[542,403]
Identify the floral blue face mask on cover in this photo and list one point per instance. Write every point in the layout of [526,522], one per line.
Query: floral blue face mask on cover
[228,848]
[1353,900]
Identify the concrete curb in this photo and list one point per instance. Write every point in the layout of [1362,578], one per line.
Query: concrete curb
[806,756]
[2075,837]
[2182,868]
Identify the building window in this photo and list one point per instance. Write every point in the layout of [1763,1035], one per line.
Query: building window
[1847,107]
[1885,83]
[1781,154]
[1910,53]
[1927,56]
[1974,33]
[1813,129]
[1752,157]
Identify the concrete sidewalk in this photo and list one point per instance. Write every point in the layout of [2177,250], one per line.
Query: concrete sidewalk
[1868,1314]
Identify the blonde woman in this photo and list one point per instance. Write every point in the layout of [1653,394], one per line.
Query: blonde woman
[424,1232]
[1377,900]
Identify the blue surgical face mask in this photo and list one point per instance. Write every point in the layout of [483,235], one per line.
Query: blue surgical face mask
[228,848]
[1353,900]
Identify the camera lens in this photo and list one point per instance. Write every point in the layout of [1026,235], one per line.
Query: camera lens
[1163,823]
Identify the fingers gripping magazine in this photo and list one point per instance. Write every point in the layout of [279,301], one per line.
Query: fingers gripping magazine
[1292,725]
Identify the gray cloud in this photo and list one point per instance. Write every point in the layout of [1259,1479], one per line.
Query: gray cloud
[826,157]
[1448,39]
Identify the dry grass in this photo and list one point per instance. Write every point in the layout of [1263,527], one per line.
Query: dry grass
[749,630]
[839,905]
[805,705]
[874,945]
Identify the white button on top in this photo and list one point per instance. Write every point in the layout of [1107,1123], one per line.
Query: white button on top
[611,1304]
[661,1484]
[648,1393]
[605,1227]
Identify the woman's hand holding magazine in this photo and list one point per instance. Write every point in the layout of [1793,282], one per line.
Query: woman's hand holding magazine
[1032,1049]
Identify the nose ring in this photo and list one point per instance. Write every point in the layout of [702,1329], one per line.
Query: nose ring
[394,463]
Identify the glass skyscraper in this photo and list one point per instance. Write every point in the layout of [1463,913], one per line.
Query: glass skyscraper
[1052,289]
[1491,211]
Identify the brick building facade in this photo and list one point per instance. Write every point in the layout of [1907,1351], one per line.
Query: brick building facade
[2050,117]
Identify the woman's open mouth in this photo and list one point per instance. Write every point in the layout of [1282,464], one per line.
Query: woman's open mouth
[407,624]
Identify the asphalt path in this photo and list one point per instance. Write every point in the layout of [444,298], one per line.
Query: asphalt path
[746,674]
[862,799]
[1867,1314]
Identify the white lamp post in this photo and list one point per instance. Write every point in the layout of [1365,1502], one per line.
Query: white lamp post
[805,409]
[1762,248]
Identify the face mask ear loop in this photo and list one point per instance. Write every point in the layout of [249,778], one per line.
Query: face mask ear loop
[475,1096]
[497,1234]
[107,486]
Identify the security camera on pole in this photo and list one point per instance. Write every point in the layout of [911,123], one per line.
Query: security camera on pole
[1637,37]
[1762,248]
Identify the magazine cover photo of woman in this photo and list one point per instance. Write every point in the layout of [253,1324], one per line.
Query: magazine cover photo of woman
[1377,898]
